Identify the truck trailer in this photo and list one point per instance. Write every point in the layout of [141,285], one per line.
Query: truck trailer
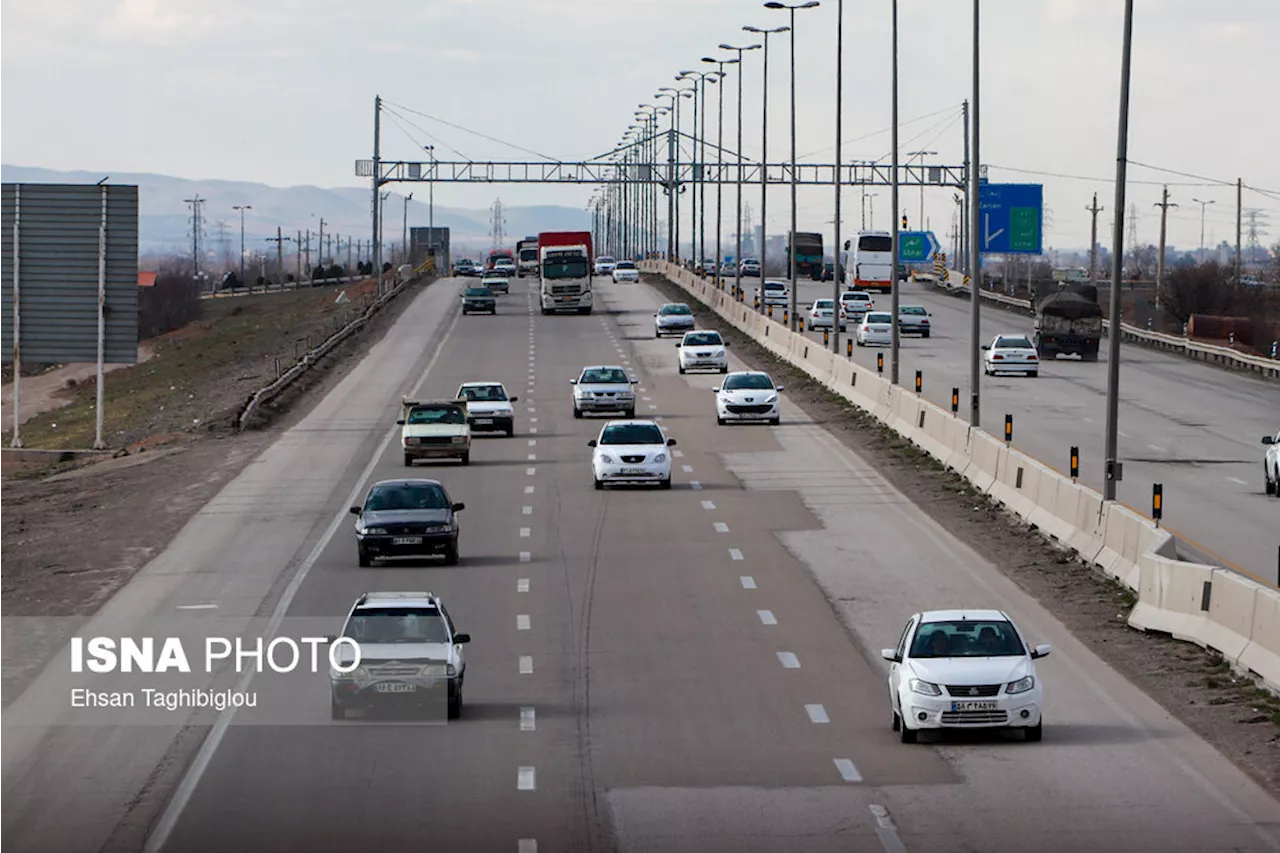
[1069,322]
[565,262]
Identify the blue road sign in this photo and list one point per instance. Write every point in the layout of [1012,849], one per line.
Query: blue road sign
[916,247]
[1011,218]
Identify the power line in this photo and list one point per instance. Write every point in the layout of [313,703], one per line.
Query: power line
[395,115]
[876,133]
[475,132]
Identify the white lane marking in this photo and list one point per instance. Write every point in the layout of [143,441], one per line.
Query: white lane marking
[642,390]
[525,556]
[524,533]
[887,832]
[767,617]
[526,779]
[533,442]
[748,582]
[528,510]
[528,490]
[695,485]
[721,527]
[528,722]
[533,420]
[1238,480]
[735,554]
[652,407]
[533,457]
[1157,448]
[679,454]
[526,665]
[789,660]
[529,471]
[522,621]
[708,505]
[522,585]
[533,430]
[527,845]
[688,469]
[848,771]
[647,399]
[169,819]
[197,606]
[817,714]
[531,411]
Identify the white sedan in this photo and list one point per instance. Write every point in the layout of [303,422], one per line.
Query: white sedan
[488,407]
[625,271]
[1010,354]
[876,328]
[604,265]
[964,669]
[1271,464]
[633,451]
[821,314]
[747,395]
[703,351]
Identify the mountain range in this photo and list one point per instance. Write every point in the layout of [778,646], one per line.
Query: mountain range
[164,219]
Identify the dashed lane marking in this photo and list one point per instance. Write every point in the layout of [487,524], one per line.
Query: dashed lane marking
[526,665]
[527,845]
[524,533]
[767,617]
[748,582]
[522,585]
[529,471]
[817,714]
[1237,480]
[533,442]
[679,454]
[527,720]
[735,554]
[721,527]
[528,490]
[688,469]
[526,779]
[522,622]
[526,556]
[197,607]
[695,485]
[528,510]
[708,505]
[790,661]
[533,457]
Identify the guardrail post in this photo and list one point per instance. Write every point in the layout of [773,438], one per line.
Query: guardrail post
[955,401]
[1008,429]
[1157,502]
[769,310]
[848,348]
[880,362]
[1075,463]
[1275,345]
[919,380]
[755,303]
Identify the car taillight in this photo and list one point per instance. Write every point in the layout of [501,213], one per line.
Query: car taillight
[997,357]
[1031,357]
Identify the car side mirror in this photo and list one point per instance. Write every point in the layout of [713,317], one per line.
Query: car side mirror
[458,507]
[671,442]
[573,382]
[678,346]
[891,655]
[355,510]
[461,639]
[779,388]
[725,343]
[515,399]
[1041,651]
[1267,439]
[986,346]
[399,423]
[591,443]
[716,389]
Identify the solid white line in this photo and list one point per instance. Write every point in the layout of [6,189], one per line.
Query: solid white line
[528,721]
[197,606]
[735,554]
[526,665]
[688,469]
[789,660]
[526,779]
[522,622]
[525,556]
[679,454]
[529,471]
[721,527]
[528,510]
[748,582]
[524,533]
[767,617]
[528,490]
[522,585]
[695,485]
[885,830]
[156,840]
[817,714]
[1237,480]
[708,505]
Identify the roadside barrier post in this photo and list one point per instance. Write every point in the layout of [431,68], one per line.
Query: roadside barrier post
[826,337]
[1008,429]
[1157,502]
[919,380]
[786,316]
[880,362]
[1075,463]
[955,400]
[848,348]
[800,324]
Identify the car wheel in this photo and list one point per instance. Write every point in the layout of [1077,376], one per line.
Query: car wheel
[924,334]
[665,484]
[455,703]
[599,483]
[907,735]
[336,711]
[720,420]
[577,413]
[408,461]
[466,458]
[775,421]
[1036,733]
[363,558]
[724,369]
[1033,374]
[451,554]
[1268,485]
[657,334]
[860,343]
[897,722]
[682,371]
[511,430]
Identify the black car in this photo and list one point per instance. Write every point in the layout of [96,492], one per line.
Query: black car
[407,519]
[479,300]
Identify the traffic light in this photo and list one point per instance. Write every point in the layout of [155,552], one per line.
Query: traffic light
[904,222]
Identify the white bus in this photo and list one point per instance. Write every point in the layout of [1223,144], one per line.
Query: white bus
[872,267]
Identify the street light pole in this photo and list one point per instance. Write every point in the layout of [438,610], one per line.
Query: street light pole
[737,249]
[836,269]
[720,152]
[764,158]
[895,299]
[1203,205]
[1113,473]
[975,245]
[404,233]
[242,208]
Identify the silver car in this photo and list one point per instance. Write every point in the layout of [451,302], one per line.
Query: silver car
[604,388]
[913,320]
[674,318]
[625,271]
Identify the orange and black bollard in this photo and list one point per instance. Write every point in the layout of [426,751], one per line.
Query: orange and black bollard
[786,317]
[769,308]
[1075,462]
[880,362]
[800,324]
[955,400]
[826,337]
[919,380]
[848,348]
[1157,501]
[1008,429]
[756,303]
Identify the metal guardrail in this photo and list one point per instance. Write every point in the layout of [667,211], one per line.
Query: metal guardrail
[284,287]
[1189,347]
[309,358]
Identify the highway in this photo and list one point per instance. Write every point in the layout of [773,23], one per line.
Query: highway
[698,669]
[1192,427]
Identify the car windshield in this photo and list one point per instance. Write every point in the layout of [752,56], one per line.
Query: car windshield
[856,297]
[604,376]
[879,318]
[569,268]
[484,393]
[875,243]
[670,310]
[528,254]
[968,638]
[479,291]
[397,496]
[911,309]
[495,274]
[605,259]
[436,415]
[740,381]
[773,285]
[823,303]
[397,625]
[632,434]
[703,339]
[1013,343]
[626,265]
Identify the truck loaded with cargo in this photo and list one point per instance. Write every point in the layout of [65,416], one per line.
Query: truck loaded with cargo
[1068,321]
[527,257]
[809,257]
[565,261]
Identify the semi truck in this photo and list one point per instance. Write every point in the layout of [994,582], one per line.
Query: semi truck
[565,262]
[809,254]
[873,265]
[527,257]
[1068,321]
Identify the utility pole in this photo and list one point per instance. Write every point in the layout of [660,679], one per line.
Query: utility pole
[1133,239]
[298,280]
[1164,204]
[975,246]
[1093,241]
[320,246]
[308,264]
[279,240]
[1239,217]
[961,255]
[242,208]
[377,189]
[195,203]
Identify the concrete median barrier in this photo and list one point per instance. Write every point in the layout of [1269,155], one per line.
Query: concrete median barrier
[1262,655]
[1232,602]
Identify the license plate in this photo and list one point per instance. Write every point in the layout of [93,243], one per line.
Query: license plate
[394,687]
[564,298]
[630,471]
[484,420]
[407,540]
[973,706]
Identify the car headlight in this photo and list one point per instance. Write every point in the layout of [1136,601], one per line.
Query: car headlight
[1022,685]
[459,439]
[435,528]
[772,399]
[924,688]
[450,670]
[374,531]
[606,458]
[661,457]
[718,353]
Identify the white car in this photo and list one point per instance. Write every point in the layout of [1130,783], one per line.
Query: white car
[506,267]
[413,653]
[1010,354]
[497,280]
[876,328]
[821,312]
[703,351]
[964,669]
[604,265]
[625,271]
[1271,464]
[488,407]
[434,429]
[856,304]
[631,452]
[913,320]
[774,293]
[747,395]
[603,388]
[749,268]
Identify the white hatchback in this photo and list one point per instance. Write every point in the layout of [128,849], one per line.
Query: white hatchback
[747,395]
[633,451]
[876,328]
[1010,354]
[625,271]
[703,351]
[964,669]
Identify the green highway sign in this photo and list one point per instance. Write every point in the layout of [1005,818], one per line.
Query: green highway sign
[916,247]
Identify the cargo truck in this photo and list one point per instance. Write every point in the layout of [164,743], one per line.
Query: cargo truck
[809,255]
[1068,321]
[565,262]
[527,257]
[497,254]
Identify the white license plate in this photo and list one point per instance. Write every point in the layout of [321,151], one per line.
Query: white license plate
[407,540]
[973,706]
[394,687]
[632,471]
[484,421]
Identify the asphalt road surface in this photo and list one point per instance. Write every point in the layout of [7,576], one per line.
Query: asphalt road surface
[688,670]
[1192,427]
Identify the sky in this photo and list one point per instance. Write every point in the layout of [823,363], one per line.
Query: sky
[281,92]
